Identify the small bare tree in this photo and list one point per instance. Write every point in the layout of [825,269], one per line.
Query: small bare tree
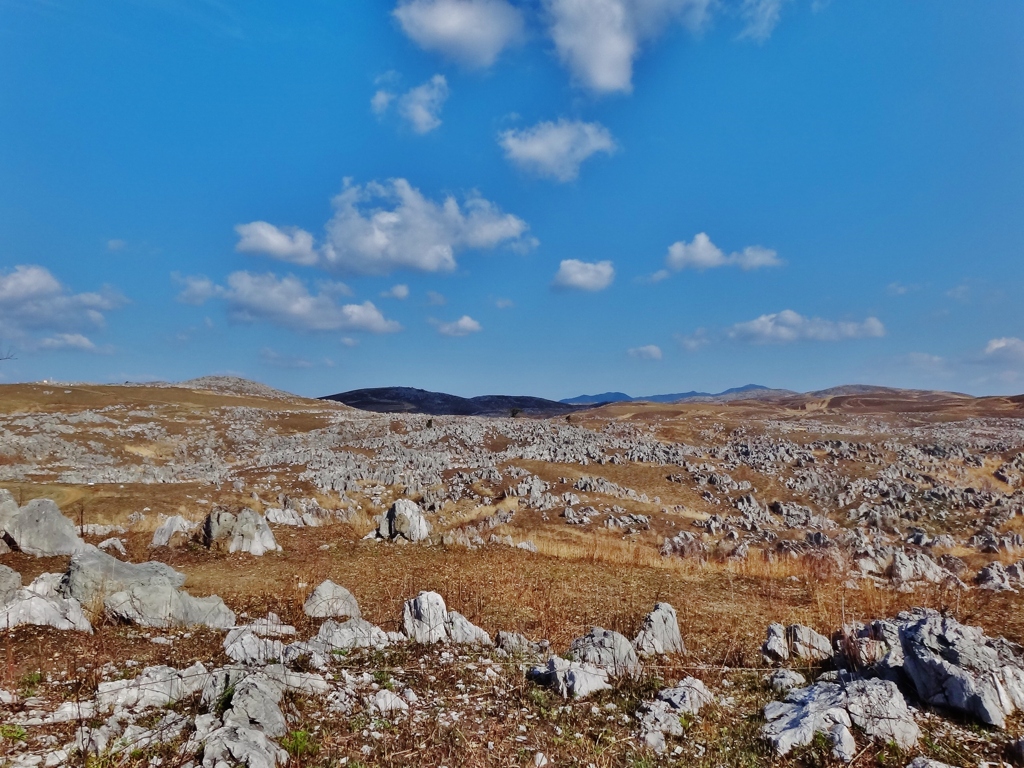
[7,354]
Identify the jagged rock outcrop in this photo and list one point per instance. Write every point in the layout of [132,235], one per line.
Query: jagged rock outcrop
[607,650]
[93,575]
[162,606]
[245,532]
[427,620]
[571,679]
[404,521]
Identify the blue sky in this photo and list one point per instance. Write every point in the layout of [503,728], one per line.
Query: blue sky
[547,197]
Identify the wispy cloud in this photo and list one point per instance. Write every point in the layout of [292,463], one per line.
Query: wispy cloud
[788,326]
[647,352]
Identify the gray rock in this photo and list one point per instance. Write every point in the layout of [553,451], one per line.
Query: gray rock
[10,582]
[27,606]
[40,529]
[245,532]
[571,679]
[93,575]
[425,617]
[875,706]
[237,745]
[775,649]
[354,633]
[806,644]
[163,606]
[994,577]
[113,544]
[175,531]
[515,644]
[659,633]
[331,600]
[255,703]
[960,668]
[782,681]
[404,520]
[605,649]
[461,631]
[924,762]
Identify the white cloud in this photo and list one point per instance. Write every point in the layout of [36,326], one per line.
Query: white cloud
[556,150]
[287,302]
[197,289]
[694,341]
[760,18]
[436,299]
[378,228]
[421,106]
[290,244]
[464,326]
[584,276]
[1007,349]
[504,303]
[789,326]
[381,101]
[473,32]
[598,40]
[648,352]
[703,254]
[399,291]
[33,301]
[68,341]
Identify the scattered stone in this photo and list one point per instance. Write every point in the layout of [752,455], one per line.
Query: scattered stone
[163,606]
[404,521]
[659,633]
[330,599]
[40,529]
[607,650]
[571,679]
[175,531]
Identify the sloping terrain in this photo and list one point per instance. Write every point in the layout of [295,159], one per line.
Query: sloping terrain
[822,511]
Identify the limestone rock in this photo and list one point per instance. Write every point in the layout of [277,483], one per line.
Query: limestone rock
[782,681]
[571,679]
[40,529]
[164,606]
[659,633]
[605,649]
[175,531]
[404,520]
[330,599]
[94,575]
[245,532]
[27,606]
[10,582]
[425,617]
[463,632]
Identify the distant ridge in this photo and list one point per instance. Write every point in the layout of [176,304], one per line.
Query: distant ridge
[410,400]
[749,390]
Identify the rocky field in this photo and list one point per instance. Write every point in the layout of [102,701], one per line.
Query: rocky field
[221,574]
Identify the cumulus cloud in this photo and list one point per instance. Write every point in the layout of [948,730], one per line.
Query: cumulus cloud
[788,326]
[556,150]
[598,40]
[196,289]
[1007,349]
[760,18]
[290,244]
[473,32]
[421,106]
[378,228]
[703,254]
[285,301]
[584,276]
[34,303]
[399,291]
[464,326]
[648,352]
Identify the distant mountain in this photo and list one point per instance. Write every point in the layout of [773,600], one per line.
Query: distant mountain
[750,390]
[410,400]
